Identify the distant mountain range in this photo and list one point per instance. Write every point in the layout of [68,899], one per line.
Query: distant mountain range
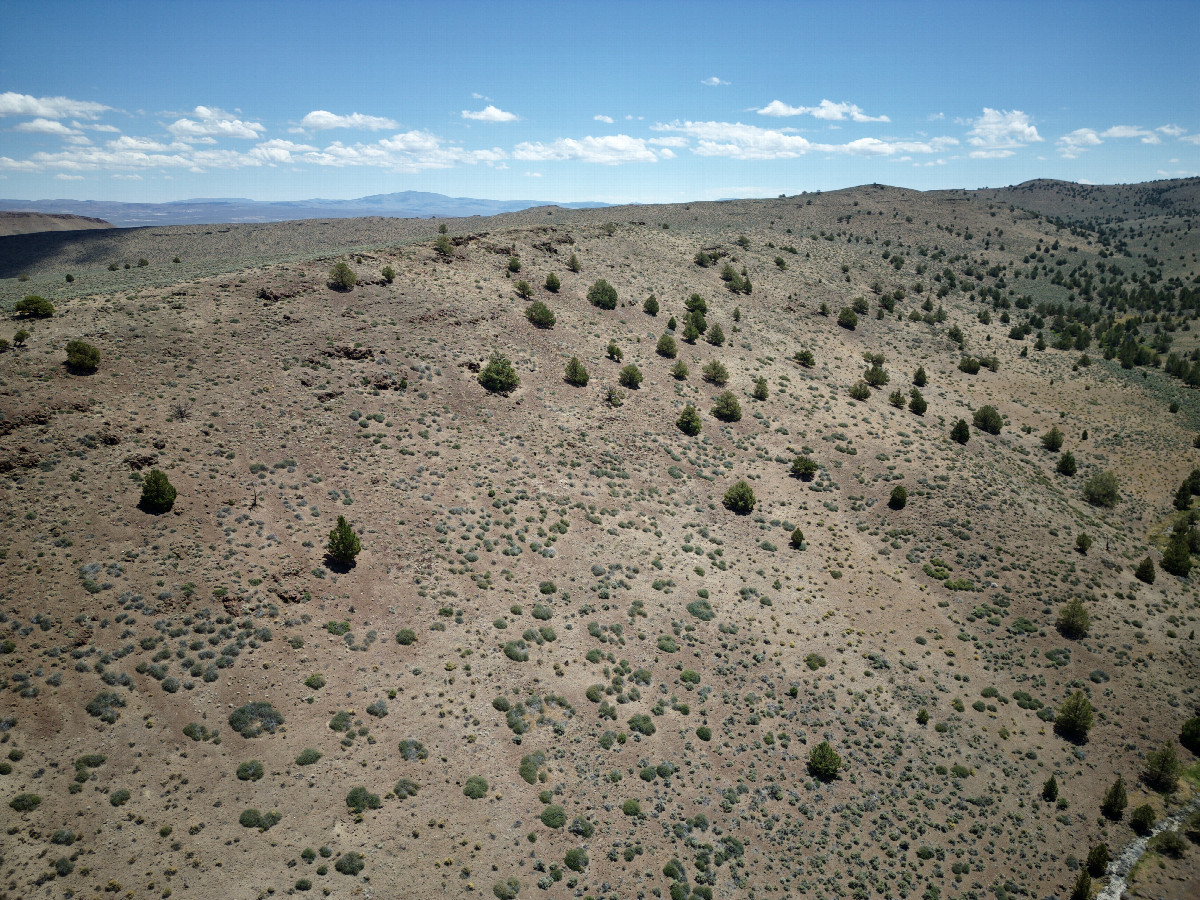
[216,210]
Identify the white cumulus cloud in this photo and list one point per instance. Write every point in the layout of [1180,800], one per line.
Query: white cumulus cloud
[1002,129]
[410,151]
[323,120]
[826,110]
[145,145]
[1079,140]
[192,146]
[608,150]
[210,123]
[607,120]
[738,141]
[1132,131]
[45,126]
[779,108]
[714,81]
[489,114]
[278,150]
[14,104]
[8,164]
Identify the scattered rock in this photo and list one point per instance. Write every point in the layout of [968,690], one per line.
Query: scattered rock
[345,352]
[140,461]
[388,382]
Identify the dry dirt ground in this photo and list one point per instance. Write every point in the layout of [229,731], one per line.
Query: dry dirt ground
[634,670]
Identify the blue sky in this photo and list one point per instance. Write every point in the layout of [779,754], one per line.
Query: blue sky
[614,101]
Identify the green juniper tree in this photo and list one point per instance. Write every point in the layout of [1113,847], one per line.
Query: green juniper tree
[1052,440]
[876,376]
[1073,619]
[576,375]
[1115,800]
[499,376]
[1074,718]
[689,421]
[1082,889]
[158,494]
[726,407]
[1145,571]
[342,278]
[602,295]
[34,306]
[824,762]
[1098,859]
[1189,734]
[82,356]
[1101,490]
[1177,558]
[804,468]
[740,499]
[1142,818]
[344,545]
[630,377]
[988,418]
[539,315]
[715,372]
[1162,768]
